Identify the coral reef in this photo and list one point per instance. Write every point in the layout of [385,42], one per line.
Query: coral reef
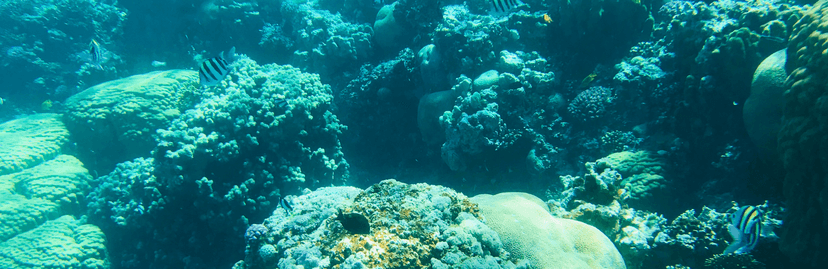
[691,238]
[379,106]
[762,112]
[723,261]
[474,41]
[415,225]
[620,195]
[264,132]
[529,232]
[41,41]
[41,192]
[592,104]
[31,140]
[716,47]
[488,119]
[802,141]
[60,243]
[116,121]
[627,112]
[585,27]
[386,29]
[324,42]
[429,111]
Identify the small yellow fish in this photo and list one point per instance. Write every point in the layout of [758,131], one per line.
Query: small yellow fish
[546,18]
[46,105]
[588,79]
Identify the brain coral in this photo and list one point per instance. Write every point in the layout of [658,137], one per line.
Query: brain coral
[803,139]
[529,231]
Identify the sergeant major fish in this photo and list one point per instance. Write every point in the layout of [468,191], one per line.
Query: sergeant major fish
[502,7]
[745,228]
[214,70]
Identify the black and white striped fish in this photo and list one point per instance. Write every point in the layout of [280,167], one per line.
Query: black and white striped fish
[214,70]
[285,204]
[745,228]
[96,54]
[502,7]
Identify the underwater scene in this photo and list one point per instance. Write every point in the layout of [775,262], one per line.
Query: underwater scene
[348,134]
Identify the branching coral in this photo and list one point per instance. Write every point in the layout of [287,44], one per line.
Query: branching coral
[266,130]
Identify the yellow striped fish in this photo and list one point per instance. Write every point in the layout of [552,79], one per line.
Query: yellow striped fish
[745,228]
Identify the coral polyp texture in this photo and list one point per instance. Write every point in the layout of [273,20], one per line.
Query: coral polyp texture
[41,192]
[116,121]
[802,139]
[262,133]
[635,120]
[530,232]
[409,226]
[24,145]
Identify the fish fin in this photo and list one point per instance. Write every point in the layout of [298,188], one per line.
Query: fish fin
[230,57]
[735,247]
[735,233]
[739,242]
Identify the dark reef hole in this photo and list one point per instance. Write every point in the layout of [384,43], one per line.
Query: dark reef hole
[354,223]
